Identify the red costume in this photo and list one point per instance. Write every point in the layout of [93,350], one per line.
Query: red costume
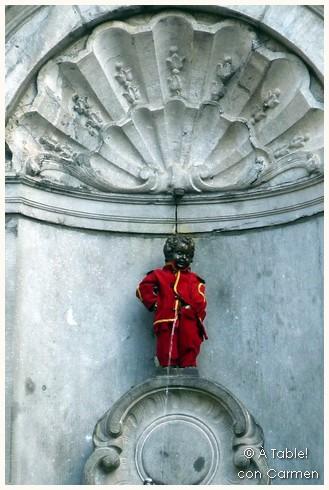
[178,298]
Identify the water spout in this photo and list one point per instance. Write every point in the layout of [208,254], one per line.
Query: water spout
[148,481]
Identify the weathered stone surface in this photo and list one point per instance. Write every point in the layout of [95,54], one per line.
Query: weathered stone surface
[170,103]
[293,22]
[125,213]
[256,209]
[77,339]
[11,332]
[91,15]
[176,429]
[223,109]
[82,337]
[150,214]
[49,26]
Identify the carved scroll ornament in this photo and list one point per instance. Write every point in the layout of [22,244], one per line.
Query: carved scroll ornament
[176,430]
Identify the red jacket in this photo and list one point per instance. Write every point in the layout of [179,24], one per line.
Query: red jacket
[171,291]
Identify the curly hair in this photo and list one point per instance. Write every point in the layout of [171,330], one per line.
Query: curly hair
[174,241]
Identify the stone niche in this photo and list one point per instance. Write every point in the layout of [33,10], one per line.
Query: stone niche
[176,429]
[109,120]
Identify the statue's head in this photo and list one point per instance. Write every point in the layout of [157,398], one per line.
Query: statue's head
[179,250]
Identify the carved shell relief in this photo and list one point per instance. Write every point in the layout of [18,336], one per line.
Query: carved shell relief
[170,103]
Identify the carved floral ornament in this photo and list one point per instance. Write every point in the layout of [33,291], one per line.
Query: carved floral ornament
[170,103]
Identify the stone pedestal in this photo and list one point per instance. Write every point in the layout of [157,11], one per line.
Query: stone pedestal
[176,429]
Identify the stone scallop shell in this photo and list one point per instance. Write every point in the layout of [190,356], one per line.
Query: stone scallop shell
[172,103]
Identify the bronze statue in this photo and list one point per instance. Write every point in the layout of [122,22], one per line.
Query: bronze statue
[177,297]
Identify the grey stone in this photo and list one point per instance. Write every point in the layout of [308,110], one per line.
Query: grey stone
[115,118]
[176,430]
[127,213]
[50,25]
[256,209]
[10,332]
[295,21]
[78,329]
[76,337]
[96,14]
[157,120]
[175,371]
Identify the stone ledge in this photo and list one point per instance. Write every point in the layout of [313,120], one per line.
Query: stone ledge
[176,371]
[143,217]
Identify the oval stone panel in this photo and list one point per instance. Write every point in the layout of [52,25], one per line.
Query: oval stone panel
[175,429]
[177,448]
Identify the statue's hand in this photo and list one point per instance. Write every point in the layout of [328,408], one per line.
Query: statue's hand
[181,301]
[154,307]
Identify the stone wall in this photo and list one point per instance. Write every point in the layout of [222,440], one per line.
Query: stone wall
[81,339]
[87,217]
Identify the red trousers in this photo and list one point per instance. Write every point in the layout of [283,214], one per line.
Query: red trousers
[181,347]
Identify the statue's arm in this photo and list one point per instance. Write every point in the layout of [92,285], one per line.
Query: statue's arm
[147,290]
[200,305]
[198,301]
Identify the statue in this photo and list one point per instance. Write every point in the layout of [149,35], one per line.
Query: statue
[177,297]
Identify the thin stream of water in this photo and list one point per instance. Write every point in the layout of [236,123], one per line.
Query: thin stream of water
[167,390]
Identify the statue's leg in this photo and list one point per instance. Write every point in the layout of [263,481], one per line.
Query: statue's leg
[166,348]
[189,342]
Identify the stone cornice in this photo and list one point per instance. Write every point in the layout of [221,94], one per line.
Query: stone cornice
[209,198]
[145,214]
